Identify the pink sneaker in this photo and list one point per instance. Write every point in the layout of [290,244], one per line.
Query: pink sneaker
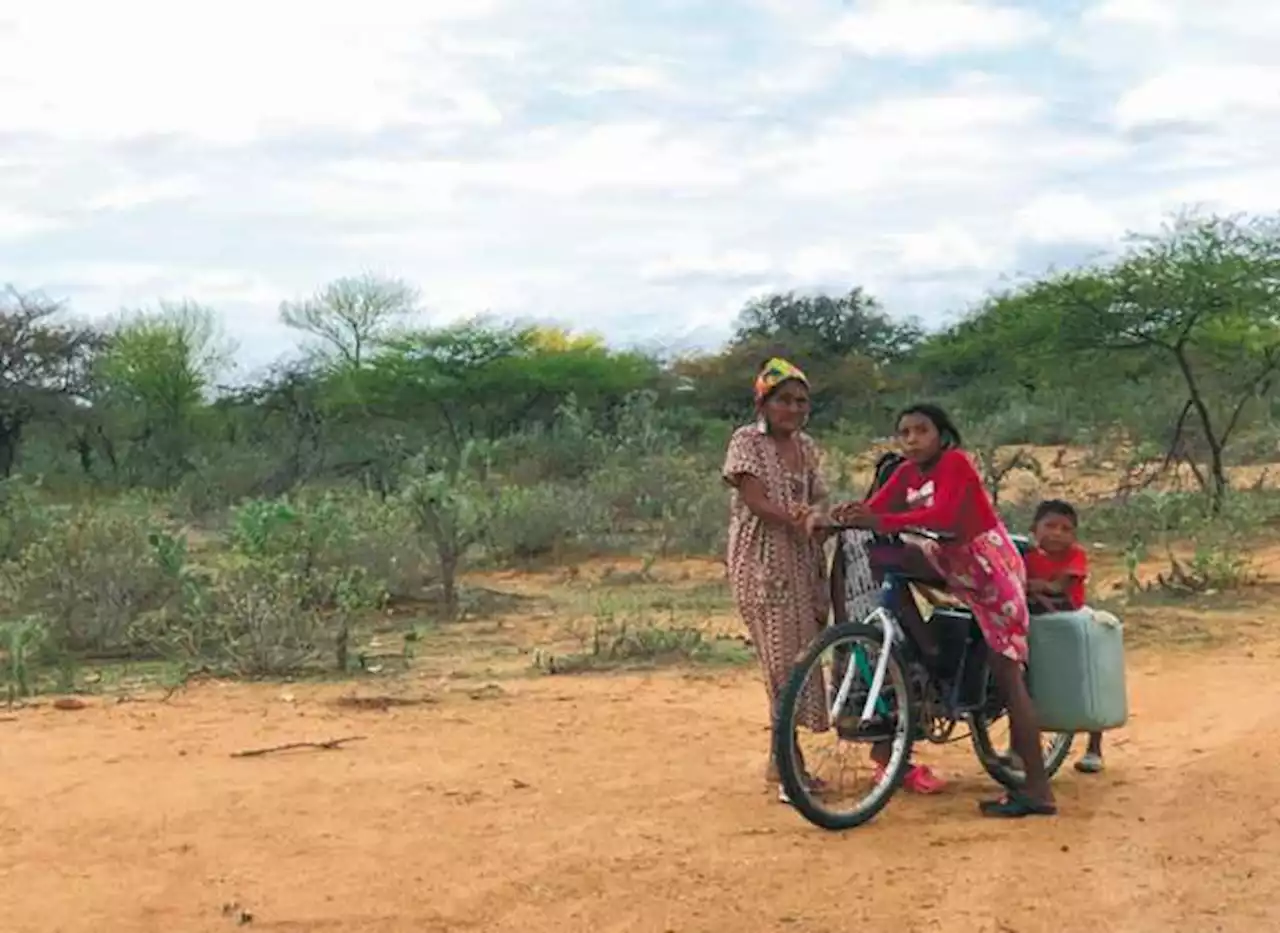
[919,780]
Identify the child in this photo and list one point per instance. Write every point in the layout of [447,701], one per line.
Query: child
[938,488]
[1057,568]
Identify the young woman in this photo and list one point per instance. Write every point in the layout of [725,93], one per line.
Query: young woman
[938,488]
[775,556]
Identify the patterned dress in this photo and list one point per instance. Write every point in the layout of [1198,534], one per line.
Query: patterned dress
[988,574]
[777,574]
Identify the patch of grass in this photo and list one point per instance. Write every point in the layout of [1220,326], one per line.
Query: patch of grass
[644,598]
[621,641]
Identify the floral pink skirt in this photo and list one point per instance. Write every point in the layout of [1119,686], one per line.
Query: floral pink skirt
[988,575]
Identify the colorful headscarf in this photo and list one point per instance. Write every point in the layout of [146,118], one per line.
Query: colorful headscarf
[773,374]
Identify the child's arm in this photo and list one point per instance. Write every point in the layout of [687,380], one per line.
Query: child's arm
[1074,573]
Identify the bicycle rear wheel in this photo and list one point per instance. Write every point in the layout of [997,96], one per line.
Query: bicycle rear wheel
[990,735]
[848,652]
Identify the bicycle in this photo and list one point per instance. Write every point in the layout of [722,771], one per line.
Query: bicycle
[882,692]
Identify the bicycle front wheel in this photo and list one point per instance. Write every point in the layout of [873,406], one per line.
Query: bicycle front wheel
[824,765]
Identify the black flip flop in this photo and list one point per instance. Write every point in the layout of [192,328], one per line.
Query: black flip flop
[1015,807]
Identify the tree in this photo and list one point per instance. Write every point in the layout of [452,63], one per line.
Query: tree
[44,366]
[450,508]
[153,377]
[847,345]
[484,381]
[1203,294]
[824,326]
[351,315]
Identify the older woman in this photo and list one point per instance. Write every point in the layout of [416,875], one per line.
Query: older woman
[775,557]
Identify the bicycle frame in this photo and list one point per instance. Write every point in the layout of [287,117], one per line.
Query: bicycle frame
[892,633]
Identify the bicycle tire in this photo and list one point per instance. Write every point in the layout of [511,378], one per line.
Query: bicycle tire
[784,744]
[999,768]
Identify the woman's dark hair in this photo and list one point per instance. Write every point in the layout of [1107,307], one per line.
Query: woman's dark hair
[947,431]
[1056,507]
[885,467]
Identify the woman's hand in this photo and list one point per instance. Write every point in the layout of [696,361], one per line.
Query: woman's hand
[857,515]
[816,523]
[799,517]
[840,512]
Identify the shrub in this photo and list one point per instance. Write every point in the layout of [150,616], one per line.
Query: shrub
[622,643]
[95,571]
[22,519]
[535,521]
[24,644]
[250,619]
[681,505]
[450,510]
[330,540]
[212,487]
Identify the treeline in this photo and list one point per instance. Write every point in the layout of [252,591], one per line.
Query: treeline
[1171,347]
[148,513]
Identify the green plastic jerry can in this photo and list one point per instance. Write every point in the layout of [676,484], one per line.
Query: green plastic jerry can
[1075,671]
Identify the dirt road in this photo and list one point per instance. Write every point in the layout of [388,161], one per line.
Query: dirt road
[622,803]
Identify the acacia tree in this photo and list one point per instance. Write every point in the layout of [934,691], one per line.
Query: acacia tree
[351,315]
[847,344]
[44,366]
[1205,295]
[152,379]
[853,323]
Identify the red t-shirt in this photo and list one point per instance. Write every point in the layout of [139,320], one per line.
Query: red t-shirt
[1072,564]
[948,497]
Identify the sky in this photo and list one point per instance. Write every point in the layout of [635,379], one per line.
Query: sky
[636,168]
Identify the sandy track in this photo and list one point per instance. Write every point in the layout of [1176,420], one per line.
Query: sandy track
[617,804]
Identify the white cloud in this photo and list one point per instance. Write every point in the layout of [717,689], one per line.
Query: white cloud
[641,173]
[635,155]
[15,224]
[1067,218]
[949,247]
[231,71]
[1202,94]
[922,29]
[732,264]
[944,139]
[141,193]
[628,77]
[1133,12]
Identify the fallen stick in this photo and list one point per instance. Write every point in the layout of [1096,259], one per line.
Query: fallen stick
[328,745]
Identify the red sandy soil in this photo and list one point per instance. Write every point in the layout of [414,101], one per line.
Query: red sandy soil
[617,803]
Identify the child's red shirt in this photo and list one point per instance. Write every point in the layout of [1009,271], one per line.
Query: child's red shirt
[1072,564]
[948,497]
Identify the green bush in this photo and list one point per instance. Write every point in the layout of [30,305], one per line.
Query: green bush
[534,521]
[679,505]
[248,619]
[94,572]
[25,646]
[214,486]
[23,520]
[330,539]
